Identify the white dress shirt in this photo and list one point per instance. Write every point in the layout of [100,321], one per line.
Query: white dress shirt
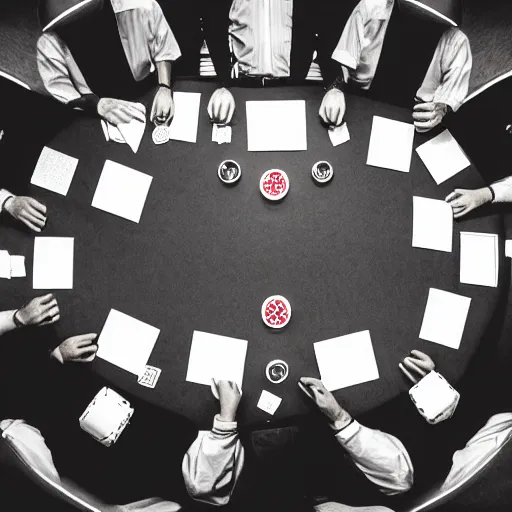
[146,38]
[359,49]
[503,190]
[261,36]
[480,448]
[4,194]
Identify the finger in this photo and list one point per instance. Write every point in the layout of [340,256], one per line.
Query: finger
[423,116]
[223,112]
[36,214]
[424,107]
[84,339]
[452,196]
[424,125]
[86,351]
[460,214]
[420,355]
[32,226]
[210,106]
[416,365]
[45,299]
[306,390]
[37,205]
[311,381]
[216,109]
[37,221]
[136,113]
[86,360]
[458,209]
[231,111]
[50,305]
[323,114]
[119,117]
[339,117]
[457,203]
[331,115]
[50,320]
[407,374]
[51,314]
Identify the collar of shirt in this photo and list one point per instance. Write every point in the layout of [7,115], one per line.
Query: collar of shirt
[128,5]
[261,36]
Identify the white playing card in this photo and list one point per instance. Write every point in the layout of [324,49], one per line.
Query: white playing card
[161,134]
[221,134]
[150,376]
[18,266]
[269,402]
[339,134]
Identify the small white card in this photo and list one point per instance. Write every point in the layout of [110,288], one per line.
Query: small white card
[53,263]
[432,224]
[216,357]
[479,259]
[54,171]
[508,248]
[122,191]
[390,144]
[150,377]
[221,134]
[18,266]
[339,134]
[269,402]
[346,360]
[5,265]
[443,157]
[127,342]
[445,318]
[186,116]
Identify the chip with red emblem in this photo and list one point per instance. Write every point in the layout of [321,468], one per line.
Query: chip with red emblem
[274,184]
[276,311]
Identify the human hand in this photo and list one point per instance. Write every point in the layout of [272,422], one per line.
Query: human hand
[39,311]
[333,107]
[162,110]
[27,210]
[77,349]
[416,366]
[120,111]
[325,401]
[221,106]
[229,397]
[428,115]
[463,201]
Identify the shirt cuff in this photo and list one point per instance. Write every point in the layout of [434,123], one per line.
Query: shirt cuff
[502,190]
[345,59]
[4,195]
[348,432]
[224,426]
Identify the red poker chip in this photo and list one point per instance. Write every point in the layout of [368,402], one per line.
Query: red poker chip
[276,312]
[274,184]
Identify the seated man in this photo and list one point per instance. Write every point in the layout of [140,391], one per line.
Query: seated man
[390,48]
[380,457]
[271,42]
[94,52]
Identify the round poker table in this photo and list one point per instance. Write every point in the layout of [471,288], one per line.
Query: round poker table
[205,256]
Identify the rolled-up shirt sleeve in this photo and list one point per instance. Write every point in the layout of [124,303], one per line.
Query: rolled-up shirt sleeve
[349,47]
[447,78]
[212,465]
[164,46]
[54,63]
[381,457]
[503,190]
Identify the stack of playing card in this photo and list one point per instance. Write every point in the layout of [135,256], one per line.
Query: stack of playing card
[161,134]
[106,417]
[11,266]
[221,134]
[434,398]
[150,377]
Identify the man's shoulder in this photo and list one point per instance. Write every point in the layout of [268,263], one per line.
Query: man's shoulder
[128,5]
[376,9]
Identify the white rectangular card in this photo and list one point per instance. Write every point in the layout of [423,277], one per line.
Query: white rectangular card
[443,157]
[390,144]
[150,376]
[54,171]
[216,357]
[186,116]
[508,248]
[346,360]
[276,125]
[269,402]
[445,318]
[339,134]
[5,265]
[432,224]
[127,342]
[18,266]
[122,191]
[479,258]
[221,134]
[132,133]
[53,263]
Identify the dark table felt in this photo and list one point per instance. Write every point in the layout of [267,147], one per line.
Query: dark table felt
[205,256]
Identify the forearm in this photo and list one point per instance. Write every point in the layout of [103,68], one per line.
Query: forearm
[163,70]
[7,321]
[503,190]
[381,457]
[4,196]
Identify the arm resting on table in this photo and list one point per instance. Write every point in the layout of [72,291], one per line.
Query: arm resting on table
[213,463]
[381,457]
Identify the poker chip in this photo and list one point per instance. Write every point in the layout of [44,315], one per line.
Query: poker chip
[229,172]
[322,172]
[277,371]
[274,184]
[161,134]
[276,312]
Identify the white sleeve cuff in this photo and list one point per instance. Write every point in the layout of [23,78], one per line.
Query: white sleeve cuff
[348,432]
[224,426]
[345,59]
[4,194]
